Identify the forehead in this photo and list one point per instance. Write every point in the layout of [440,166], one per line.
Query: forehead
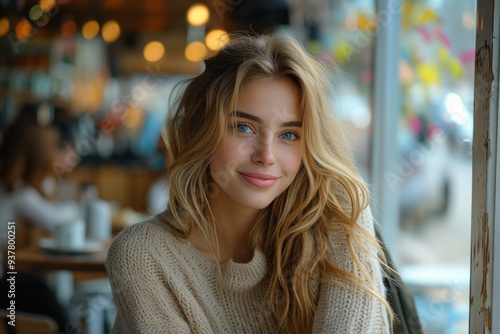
[270,98]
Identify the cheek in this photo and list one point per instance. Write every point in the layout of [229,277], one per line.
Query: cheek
[224,161]
[237,148]
[218,171]
[295,161]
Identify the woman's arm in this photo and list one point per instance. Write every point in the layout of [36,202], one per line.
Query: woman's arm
[352,311]
[38,210]
[143,300]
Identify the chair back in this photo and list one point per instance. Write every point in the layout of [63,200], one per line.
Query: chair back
[27,323]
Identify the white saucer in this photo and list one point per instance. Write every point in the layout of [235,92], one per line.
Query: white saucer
[90,246]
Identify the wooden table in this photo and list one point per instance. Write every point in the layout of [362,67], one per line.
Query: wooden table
[63,268]
[34,259]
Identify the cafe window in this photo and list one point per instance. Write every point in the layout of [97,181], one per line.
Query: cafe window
[435,71]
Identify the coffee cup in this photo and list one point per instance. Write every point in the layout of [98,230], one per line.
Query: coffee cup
[99,220]
[70,235]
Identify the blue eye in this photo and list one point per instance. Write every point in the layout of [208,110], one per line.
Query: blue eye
[243,128]
[290,136]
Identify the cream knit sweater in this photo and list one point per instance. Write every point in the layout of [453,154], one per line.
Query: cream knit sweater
[164,285]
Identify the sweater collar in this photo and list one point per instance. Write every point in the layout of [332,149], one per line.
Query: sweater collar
[240,277]
[233,276]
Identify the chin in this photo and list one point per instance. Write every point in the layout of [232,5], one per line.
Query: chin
[262,206]
[256,204]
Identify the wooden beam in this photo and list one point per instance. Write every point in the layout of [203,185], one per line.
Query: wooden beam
[485,239]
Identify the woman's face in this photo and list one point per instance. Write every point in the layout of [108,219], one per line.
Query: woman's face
[261,152]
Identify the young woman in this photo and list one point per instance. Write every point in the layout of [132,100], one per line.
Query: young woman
[268,228]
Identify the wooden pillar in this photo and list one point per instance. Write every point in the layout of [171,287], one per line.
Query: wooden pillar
[485,238]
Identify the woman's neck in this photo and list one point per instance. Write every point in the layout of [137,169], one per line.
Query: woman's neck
[234,223]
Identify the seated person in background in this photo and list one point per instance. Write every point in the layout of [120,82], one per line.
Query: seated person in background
[26,156]
[27,152]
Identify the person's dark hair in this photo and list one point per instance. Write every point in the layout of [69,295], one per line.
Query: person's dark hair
[27,151]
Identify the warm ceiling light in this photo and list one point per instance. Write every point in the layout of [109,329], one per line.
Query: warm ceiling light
[4,26]
[35,12]
[23,29]
[47,5]
[216,39]
[68,29]
[110,31]
[195,51]
[90,29]
[153,51]
[198,15]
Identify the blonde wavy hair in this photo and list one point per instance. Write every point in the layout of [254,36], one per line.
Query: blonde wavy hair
[326,195]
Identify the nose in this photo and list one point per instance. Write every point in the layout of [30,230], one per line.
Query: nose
[264,151]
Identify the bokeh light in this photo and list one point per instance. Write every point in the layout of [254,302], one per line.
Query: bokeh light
[351,22]
[198,15]
[132,117]
[195,51]
[68,29]
[90,29]
[216,39]
[43,20]
[4,26]
[468,20]
[110,31]
[47,5]
[23,29]
[153,51]
[35,12]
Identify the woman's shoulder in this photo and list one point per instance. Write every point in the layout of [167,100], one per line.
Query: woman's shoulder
[139,242]
[360,241]
[27,195]
[146,234]
[23,192]
[364,223]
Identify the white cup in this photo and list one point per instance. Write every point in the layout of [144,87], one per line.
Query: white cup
[71,235]
[99,220]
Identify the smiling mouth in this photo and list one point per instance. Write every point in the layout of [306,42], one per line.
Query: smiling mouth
[260,176]
[259,180]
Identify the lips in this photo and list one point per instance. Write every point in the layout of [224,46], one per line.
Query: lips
[260,180]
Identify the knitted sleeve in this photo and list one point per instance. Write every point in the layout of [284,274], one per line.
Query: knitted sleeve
[143,300]
[352,310]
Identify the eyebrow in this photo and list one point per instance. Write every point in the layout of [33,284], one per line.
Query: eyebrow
[257,119]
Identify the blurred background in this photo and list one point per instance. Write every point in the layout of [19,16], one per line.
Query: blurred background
[99,73]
